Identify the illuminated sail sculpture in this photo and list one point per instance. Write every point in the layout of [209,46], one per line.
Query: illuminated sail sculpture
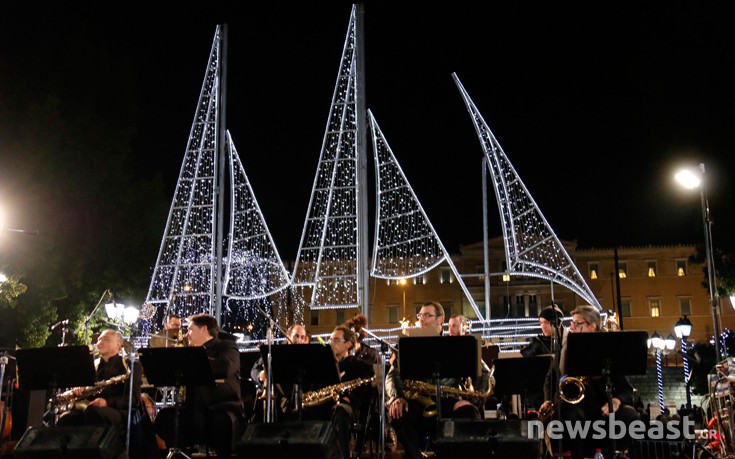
[325,273]
[184,275]
[531,247]
[254,270]
[406,244]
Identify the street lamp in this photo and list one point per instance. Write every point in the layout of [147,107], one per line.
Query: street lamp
[118,312]
[691,179]
[659,344]
[683,329]
[404,321]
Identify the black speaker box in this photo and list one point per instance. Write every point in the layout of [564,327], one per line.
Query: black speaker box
[312,439]
[463,438]
[79,442]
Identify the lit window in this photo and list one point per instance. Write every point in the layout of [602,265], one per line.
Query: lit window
[625,307]
[654,305]
[681,268]
[651,268]
[418,280]
[593,269]
[623,269]
[446,276]
[685,306]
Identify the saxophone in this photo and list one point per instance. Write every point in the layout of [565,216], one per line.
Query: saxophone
[68,400]
[333,392]
[422,392]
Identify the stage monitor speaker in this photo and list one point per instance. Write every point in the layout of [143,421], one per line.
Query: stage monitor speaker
[463,438]
[79,442]
[315,439]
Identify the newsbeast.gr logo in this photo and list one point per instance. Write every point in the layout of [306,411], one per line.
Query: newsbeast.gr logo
[615,430]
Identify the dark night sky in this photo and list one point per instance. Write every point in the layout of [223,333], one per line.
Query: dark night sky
[594,105]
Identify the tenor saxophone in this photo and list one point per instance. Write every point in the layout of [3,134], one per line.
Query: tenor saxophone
[333,392]
[422,392]
[68,400]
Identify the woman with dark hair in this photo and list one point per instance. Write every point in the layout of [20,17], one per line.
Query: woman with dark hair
[362,351]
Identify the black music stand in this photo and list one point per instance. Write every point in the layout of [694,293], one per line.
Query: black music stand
[176,367]
[54,367]
[621,353]
[435,357]
[302,364]
[521,375]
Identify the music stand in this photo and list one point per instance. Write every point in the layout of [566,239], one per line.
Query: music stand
[620,353]
[435,357]
[521,375]
[301,364]
[176,367]
[54,367]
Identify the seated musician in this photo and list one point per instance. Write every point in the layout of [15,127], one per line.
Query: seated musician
[295,334]
[407,415]
[550,321]
[211,415]
[362,351]
[108,403]
[348,409]
[172,334]
[594,406]
[459,326]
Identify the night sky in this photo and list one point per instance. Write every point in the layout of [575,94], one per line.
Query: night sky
[593,105]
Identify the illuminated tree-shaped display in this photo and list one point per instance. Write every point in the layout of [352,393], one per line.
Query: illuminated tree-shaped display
[406,244]
[327,260]
[184,275]
[254,271]
[531,247]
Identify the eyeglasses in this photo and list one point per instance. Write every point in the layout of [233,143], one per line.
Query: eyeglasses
[578,324]
[425,315]
[336,340]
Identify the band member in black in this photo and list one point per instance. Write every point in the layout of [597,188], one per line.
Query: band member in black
[211,415]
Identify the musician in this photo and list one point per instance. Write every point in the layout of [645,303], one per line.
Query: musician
[110,406]
[295,334]
[211,415]
[347,410]
[407,415]
[594,406]
[172,334]
[457,325]
[550,321]
[460,326]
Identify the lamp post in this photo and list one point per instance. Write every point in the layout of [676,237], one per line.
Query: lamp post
[658,344]
[683,329]
[404,321]
[690,179]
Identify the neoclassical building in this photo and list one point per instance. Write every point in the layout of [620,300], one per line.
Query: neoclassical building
[658,285]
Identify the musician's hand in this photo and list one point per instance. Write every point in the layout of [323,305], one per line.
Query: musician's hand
[615,404]
[78,391]
[261,376]
[544,406]
[395,410]
[98,402]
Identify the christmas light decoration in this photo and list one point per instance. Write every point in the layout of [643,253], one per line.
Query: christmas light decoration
[406,244]
[326,268]
[531,247]
[187,252]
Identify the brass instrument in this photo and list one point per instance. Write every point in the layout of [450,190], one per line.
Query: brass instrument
[422,392]
[333,392]
[571,389]
[68,400]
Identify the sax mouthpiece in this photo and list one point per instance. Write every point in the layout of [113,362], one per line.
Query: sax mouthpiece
[321,341]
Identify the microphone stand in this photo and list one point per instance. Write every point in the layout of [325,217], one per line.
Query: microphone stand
[269,370]
[385,347]
[106,295]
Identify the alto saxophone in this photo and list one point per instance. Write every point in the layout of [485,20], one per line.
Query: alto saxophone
[333,392]
[68,400]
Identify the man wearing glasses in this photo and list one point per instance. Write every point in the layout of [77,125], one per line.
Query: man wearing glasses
[593,407]
[407,415]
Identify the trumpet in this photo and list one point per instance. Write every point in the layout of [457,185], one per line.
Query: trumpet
[571,389]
